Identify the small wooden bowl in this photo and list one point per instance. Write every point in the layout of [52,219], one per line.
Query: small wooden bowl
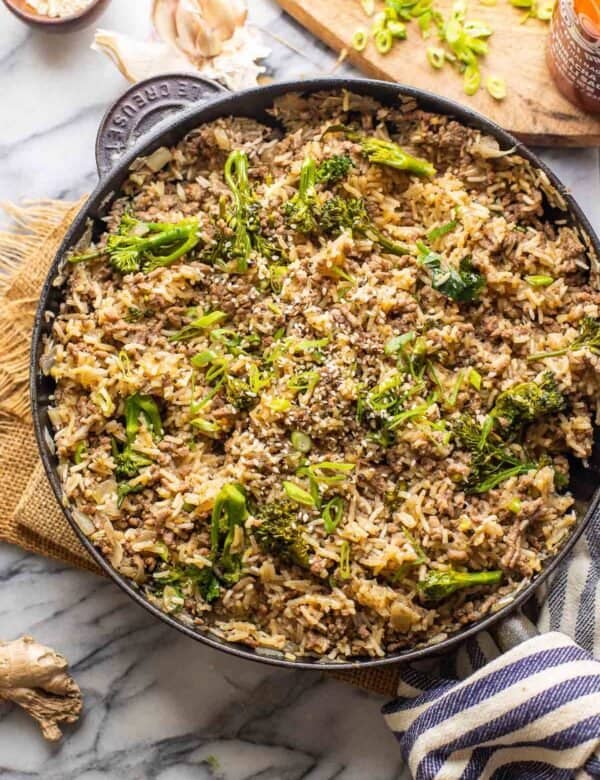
[30,16]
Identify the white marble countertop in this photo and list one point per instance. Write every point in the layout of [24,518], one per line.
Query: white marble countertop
[159,705]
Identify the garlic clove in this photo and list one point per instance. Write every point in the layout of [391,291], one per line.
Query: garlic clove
[194,37]
[163,20]
[223,17]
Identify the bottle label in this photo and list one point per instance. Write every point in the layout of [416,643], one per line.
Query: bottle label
[575,51]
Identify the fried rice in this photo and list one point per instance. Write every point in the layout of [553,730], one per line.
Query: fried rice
[305,330]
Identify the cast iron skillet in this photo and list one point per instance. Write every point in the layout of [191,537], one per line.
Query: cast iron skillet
[163,110]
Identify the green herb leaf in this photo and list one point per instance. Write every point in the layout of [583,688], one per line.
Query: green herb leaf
[462,285]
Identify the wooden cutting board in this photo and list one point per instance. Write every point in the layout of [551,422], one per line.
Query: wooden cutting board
[533,109]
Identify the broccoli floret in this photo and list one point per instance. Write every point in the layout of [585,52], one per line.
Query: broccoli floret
[145,406]
[387,153]
[462,284]
[528,401]
[588,337]
[390,154]
[494,456]
[280,533]
[334,169]
[232,249]
[229,512]
[299,211]
[439,585]
[240,394]
[203,580]
[144,246]
[128,462]
[124,489]
[338,214]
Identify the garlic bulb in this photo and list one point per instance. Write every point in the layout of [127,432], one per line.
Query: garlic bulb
[208,37]
[198,28]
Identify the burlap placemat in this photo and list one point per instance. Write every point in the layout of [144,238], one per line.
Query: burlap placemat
[29,513]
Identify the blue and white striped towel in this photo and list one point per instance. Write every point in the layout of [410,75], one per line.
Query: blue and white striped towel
[533,712]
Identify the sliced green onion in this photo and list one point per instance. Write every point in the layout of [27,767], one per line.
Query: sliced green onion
[204,358]
[474,378]
[539,280]
[207,427]
[477,29]
[420,7]
[453,397]
[160,549]
[471,79]
[201,323]
[386,395]
[368,6]
[102,399]
[301,442]
[333,511]
[544,10]
[216,371]
[307,345]
[124,362]
[514,506]
[345,560]
[397,29]
[210,319]
[279,404]
[390,14]
[328,472]
[298,494]
[80,451]
[496,86]
[396,343]
[424,22]
[195,406]
[442,230]
[360,40]
[383,40]
[277,274]
[453,32]
[436,58]
[341,273]
[173,599]
[409,414]
[304,381]
[380,21]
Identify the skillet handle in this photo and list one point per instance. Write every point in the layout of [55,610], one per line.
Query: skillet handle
[143,106]
[513,630]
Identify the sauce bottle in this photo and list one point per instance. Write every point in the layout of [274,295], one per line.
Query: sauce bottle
[573,52]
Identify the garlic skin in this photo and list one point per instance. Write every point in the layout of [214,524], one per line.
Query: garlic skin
[208,37]
[139,60]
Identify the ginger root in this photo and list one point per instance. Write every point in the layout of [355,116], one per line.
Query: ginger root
[35,677]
